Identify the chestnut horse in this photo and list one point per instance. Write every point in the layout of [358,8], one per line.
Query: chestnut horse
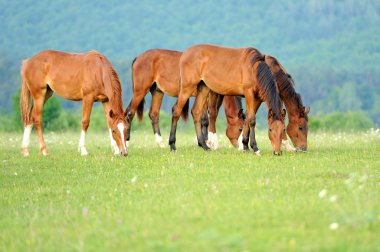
[229,71]
[157,71]
[89,77]
[297,127]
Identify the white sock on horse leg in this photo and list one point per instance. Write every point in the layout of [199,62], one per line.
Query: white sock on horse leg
[82,144]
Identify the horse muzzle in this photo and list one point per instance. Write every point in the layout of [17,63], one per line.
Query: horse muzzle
[301,148]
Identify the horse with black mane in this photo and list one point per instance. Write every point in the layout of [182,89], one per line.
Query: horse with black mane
[229,71]
[297,127]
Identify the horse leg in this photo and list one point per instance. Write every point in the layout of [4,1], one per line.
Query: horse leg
[204,121]
[154,115]
[196,112]
[256,104]
[138,97]
[250,118]
[183,96]
[106,109]
[214,103]
[39,102]
[87,103]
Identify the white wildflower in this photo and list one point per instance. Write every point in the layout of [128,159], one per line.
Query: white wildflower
[322,193]
[334,226]
[333,198]
[133,180]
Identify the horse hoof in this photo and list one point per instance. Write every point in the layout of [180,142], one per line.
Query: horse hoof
[44,153]
[161,145]
[258,153]
[24,152]
[83,151]
[172,148]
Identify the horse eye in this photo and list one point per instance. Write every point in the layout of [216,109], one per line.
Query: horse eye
[270,129]
[300,128]
[113,132]
[284,130]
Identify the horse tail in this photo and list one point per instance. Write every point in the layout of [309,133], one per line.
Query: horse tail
[140,107]
[185,111]
[26,104]
[140,110]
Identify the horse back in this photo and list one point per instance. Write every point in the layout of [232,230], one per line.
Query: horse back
[70,75]
[157,66]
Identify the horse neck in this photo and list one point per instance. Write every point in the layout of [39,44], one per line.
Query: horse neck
[231,109]
[115,100]
[291,107]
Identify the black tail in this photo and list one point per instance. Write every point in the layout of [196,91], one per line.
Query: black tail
[185,111]
[140,110]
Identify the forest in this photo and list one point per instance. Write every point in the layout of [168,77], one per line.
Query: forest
[331,48]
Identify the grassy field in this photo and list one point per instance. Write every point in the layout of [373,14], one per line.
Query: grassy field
[327,199]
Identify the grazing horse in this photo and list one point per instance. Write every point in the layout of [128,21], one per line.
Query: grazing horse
[297,128]
[157,71]
[229,71]
[89,77]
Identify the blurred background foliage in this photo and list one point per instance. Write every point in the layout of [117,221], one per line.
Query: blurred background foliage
[331,48]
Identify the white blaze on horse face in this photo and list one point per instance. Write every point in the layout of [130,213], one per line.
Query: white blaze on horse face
[26,137]
[114,147]
[287,145]
[121,127]
[240,142]
[82,144]
[159,141]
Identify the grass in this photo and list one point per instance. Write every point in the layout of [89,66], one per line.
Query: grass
[324,200]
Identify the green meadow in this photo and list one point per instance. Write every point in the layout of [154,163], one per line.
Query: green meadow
[327,199]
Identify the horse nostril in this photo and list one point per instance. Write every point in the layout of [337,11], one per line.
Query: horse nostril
[125,154]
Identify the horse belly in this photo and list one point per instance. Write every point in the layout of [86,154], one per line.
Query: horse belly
[72,91]
[170,87]
[224,87]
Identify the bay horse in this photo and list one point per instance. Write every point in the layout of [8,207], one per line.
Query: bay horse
[297,127]
[157,71]
[89,77]
[229,71]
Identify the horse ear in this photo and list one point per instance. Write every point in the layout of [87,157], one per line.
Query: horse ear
[111,114]
[270,114]
[283,114]
[307,110]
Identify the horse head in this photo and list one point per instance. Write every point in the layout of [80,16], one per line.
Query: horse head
[276,127]
[119,126]
[297,129]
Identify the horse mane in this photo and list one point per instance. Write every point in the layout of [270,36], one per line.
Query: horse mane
[114,89]
[268,91]
[286,85]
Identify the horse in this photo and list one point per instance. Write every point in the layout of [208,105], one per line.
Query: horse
[157,71]
[297,127]
[89,77]
[229,71]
